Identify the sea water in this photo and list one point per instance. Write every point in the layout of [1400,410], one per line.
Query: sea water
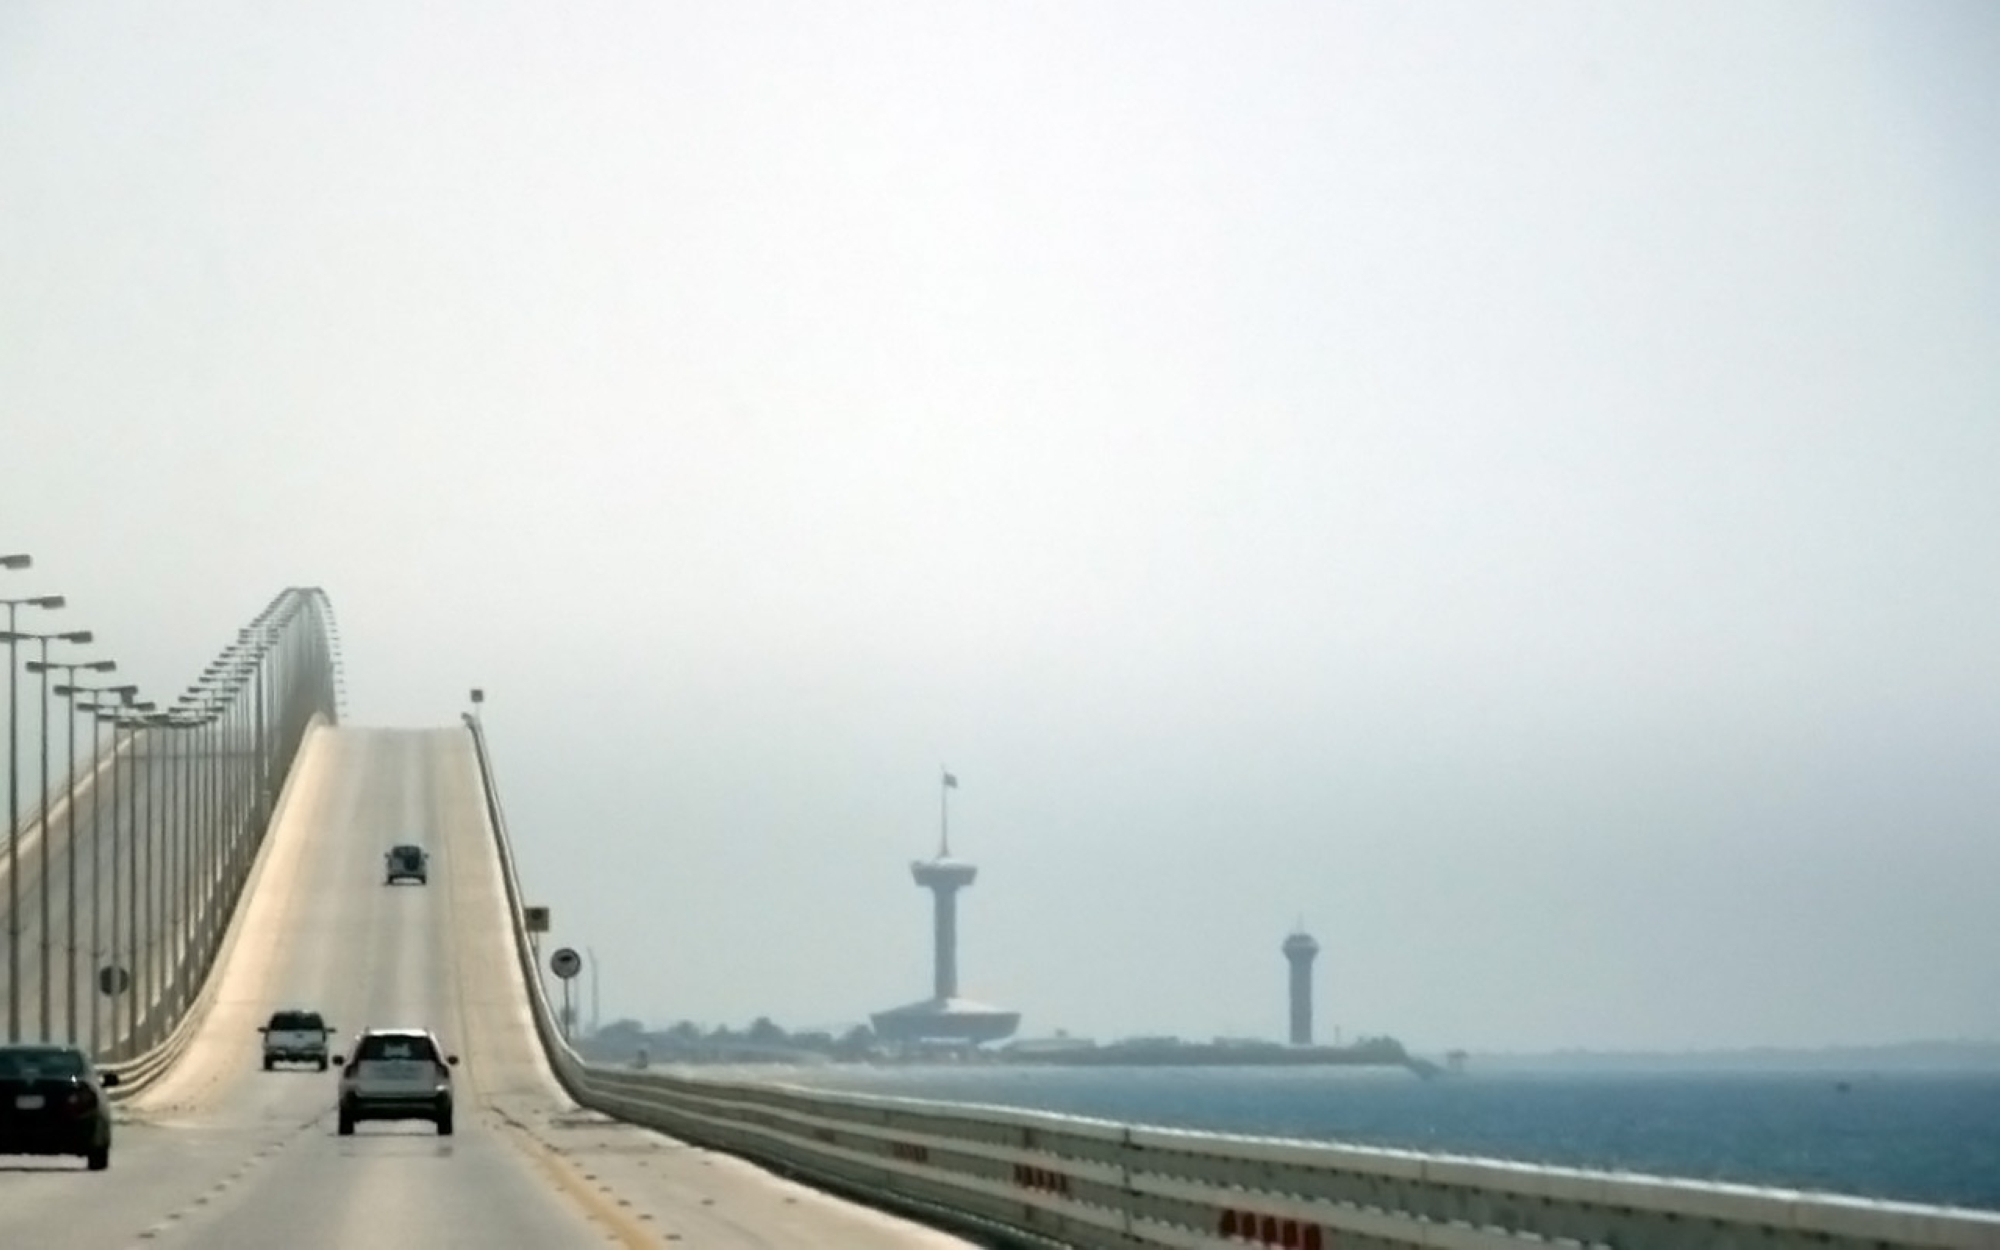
[1916,1137]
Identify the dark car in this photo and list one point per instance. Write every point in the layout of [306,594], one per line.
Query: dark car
[407,863]
[52,1103]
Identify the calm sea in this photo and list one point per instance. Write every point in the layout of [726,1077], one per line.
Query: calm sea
[1932,1138]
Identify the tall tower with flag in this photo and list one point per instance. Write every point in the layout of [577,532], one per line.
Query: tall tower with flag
[945,1016]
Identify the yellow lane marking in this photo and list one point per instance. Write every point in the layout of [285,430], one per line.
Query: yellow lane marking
[623,1227]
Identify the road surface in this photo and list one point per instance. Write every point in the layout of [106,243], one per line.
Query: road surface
[223,1154]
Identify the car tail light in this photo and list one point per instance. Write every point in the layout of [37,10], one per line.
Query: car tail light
[443,1071]
[80,1100]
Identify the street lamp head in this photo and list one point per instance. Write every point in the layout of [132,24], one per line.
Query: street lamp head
[118,713]
[48,601]
[95,666]
[16,562]
[76,635]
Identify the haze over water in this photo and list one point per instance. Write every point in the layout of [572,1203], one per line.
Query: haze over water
[1511,485]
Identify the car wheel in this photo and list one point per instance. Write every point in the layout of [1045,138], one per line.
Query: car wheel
[322,1063]
[346,1128]
[99,1158]
[444,1125]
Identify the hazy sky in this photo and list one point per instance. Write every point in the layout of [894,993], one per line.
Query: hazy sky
[1516,486]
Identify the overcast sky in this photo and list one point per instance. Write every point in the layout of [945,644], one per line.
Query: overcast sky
[1513,485]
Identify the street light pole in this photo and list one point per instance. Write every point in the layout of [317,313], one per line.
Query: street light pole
[132,728]
[14,798]
[147,956]
[100,768]
[195,716]
[126,718]
[221,684]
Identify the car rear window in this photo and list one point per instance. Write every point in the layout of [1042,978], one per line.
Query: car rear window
[396,1046]
[31,1063]
[297,1020]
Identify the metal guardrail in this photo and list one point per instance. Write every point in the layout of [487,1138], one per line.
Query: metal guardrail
[142,1070]
[1039,1178]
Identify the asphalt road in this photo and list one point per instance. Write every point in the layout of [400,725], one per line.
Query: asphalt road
[223,1154]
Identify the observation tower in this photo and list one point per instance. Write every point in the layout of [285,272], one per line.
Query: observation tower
[944,1016]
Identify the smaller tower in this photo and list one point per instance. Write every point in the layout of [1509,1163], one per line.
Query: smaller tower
[1299,951]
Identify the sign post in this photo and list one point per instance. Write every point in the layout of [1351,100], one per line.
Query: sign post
[566,963]
[536,921]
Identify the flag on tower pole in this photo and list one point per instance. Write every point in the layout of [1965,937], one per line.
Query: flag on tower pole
[944,812]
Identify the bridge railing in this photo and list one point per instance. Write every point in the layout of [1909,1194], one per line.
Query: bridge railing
[1036,1178]
[169,816]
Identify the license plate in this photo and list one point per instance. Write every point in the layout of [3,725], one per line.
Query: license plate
[399,1070]
[29,1102]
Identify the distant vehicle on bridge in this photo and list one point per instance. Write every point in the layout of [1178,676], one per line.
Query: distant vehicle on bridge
[295,1037]
[407,862]
[52,1103]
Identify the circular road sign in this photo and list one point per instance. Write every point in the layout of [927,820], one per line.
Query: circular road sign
[565,963]
[113,980]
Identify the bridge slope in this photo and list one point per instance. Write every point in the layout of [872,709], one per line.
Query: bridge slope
[220,1153]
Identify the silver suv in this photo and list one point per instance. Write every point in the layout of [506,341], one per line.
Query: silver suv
[396,1074]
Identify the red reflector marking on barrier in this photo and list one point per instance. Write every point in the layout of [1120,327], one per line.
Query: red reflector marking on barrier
[1044,1179]
[1269,1230]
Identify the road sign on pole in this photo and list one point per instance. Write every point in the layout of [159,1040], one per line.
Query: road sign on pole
[113,980]
[565,963]
[536,919]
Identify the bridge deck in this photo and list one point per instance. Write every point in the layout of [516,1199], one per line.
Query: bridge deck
[223,1154]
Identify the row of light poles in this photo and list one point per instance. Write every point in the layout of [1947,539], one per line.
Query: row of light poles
[177,842]
[14,636]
